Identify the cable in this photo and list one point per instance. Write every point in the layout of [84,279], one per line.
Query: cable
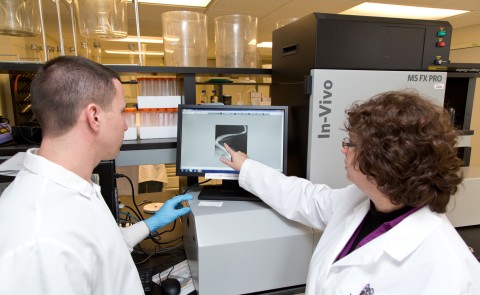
[118,175]
[157,235]
[170,230]
[195,185]
[140,216]
[130,216]
[170,271]
[168,242]
[148,257]
[134,212]
[156,252]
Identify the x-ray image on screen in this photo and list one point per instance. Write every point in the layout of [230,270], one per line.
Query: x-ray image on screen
[233,135]
[203,130]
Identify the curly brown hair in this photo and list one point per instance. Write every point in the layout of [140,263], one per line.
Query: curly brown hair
[406,145]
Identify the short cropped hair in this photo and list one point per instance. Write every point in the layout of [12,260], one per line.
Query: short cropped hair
[406,145]
[65,85]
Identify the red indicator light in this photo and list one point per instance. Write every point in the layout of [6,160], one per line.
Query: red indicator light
[441,44]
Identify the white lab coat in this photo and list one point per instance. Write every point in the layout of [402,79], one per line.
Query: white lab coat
[59,237]
[423,254]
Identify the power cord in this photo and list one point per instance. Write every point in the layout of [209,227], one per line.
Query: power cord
[159,251]
[195,185]
[119,175]
[133,211]
[170,271]
[153,235]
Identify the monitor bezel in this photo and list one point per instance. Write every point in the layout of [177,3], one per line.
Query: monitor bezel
[227,107]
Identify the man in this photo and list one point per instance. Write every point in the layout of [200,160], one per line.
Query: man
[58,234]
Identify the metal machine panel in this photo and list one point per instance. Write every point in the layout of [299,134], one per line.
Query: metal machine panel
[332,41]
[463,207]
[333,91]
[245,247]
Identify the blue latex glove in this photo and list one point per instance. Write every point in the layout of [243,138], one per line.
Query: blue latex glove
[171,210]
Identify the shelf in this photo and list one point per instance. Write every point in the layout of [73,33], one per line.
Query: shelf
[19,67]
[234,84]
[146,144]
[132,152]
[11,148]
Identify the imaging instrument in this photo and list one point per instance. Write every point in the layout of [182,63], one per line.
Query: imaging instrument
[322,63]
[237,247]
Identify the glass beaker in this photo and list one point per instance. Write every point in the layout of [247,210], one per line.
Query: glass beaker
[185,38]
[102,18]
[19,18]
[236,41]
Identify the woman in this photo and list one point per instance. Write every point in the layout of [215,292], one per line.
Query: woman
[387,232]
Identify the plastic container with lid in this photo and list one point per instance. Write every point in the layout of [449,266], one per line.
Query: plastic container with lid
[236,41]
[19,18]
[185,38]
[102,18]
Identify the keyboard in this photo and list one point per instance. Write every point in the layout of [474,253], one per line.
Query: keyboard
[217,192]
[146,274]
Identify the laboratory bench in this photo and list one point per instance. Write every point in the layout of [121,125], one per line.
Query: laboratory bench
[165,261]
[208,253]
[173,238]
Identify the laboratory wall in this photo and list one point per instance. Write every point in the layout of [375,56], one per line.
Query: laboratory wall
[466,49]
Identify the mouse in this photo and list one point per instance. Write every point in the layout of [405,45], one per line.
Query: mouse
[170,286]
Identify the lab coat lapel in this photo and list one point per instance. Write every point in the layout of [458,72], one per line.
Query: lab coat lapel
[398,243]
[364,255]
[404,238]
[352,221]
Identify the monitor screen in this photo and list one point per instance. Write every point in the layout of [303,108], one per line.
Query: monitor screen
[259,131]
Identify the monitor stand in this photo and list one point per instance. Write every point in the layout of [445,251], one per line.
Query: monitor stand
[229,190]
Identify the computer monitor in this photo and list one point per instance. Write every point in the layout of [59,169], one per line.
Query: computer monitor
[259,131]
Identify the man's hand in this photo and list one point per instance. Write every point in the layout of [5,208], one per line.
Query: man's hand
[171,210]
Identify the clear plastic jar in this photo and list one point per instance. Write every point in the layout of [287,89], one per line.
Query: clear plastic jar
[19,18]
[102,18]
